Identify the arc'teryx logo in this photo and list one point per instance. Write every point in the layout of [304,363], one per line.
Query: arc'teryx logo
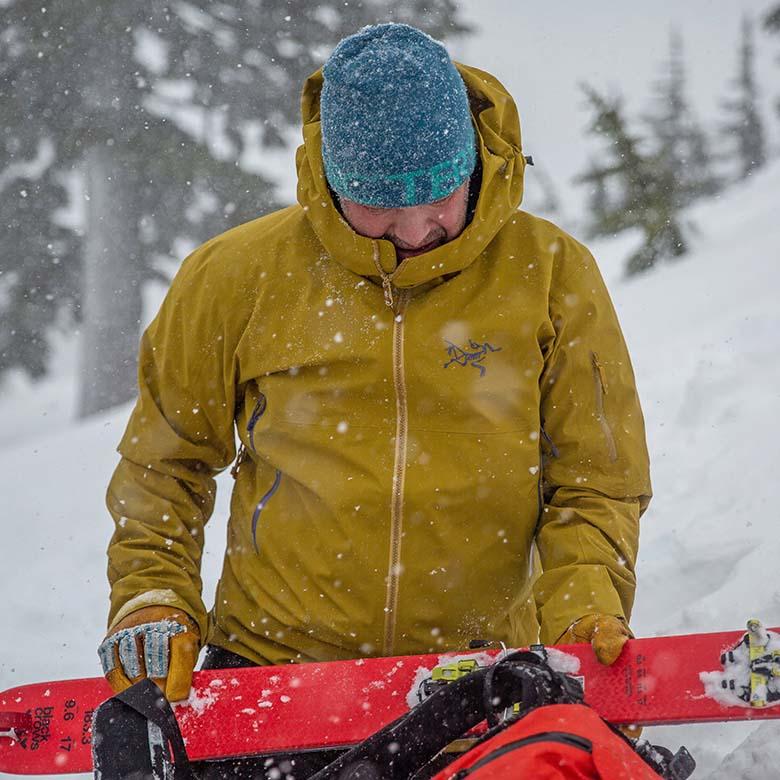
[473,356]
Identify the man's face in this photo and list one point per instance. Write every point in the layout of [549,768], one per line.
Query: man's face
[412,229]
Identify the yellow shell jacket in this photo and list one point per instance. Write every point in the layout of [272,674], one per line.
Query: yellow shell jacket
[407,432]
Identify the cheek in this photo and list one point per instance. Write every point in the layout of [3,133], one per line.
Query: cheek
[454,218]
[365,223]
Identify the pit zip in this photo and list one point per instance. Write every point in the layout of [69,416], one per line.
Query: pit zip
[257,413]
[243,454]
[545,437]
[601,391]
[396,300]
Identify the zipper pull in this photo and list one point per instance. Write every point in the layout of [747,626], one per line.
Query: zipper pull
[240,458]
[387,284]
[387,288]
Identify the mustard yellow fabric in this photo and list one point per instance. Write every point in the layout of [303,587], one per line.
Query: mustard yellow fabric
[523,426]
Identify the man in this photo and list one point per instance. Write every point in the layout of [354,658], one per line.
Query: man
[427,383]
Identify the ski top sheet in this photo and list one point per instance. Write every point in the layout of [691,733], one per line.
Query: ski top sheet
[46,728]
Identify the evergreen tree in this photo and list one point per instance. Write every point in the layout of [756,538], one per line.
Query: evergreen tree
[681,145]
[647,180]
[38,270]
[112,89]
[72,81]
[631,188]
[745,127]
[772,25]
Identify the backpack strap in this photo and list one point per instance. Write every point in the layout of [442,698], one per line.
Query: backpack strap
[140,715]
[533,684]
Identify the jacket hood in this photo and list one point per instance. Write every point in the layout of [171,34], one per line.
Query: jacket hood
[497,128]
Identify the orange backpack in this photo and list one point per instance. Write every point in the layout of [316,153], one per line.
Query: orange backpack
[556,742]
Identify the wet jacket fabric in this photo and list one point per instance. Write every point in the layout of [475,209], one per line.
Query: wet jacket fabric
[407,432]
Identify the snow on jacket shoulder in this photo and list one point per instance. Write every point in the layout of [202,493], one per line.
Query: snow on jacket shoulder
[397,464]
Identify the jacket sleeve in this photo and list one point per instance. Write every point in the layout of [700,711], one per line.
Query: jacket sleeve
[595,472]
[180,435]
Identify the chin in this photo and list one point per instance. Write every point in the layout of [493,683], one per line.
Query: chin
[404,253]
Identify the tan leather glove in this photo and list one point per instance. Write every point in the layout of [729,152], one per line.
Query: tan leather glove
[606,634]
[157,642]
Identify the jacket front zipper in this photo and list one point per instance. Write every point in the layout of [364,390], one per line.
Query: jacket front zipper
[399,469]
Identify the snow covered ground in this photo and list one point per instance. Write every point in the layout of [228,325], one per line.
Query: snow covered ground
[704,335]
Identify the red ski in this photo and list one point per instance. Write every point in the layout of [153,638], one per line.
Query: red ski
[45,728]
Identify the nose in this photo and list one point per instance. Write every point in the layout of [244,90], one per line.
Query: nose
[414,228]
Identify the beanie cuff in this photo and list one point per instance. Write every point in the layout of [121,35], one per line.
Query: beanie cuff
[399,190]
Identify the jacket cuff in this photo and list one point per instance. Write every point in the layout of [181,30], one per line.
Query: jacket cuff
[564,596]
[163,597]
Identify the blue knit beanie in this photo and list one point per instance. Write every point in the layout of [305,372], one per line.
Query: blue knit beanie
[396,125]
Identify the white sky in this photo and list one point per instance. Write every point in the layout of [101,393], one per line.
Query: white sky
[542,49]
